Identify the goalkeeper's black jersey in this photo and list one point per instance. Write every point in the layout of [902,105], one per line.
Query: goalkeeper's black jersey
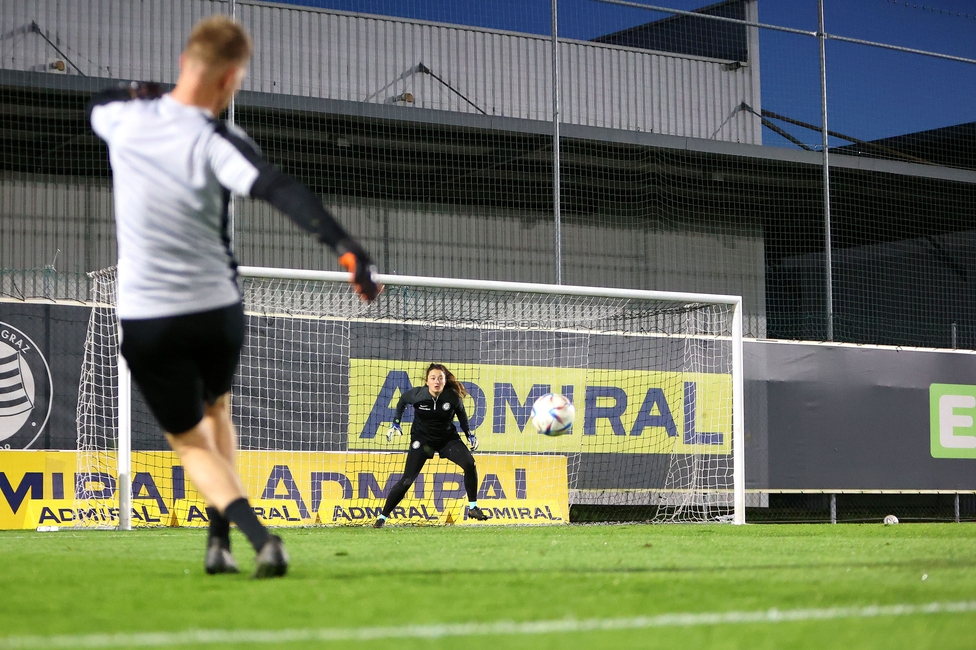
[433,419]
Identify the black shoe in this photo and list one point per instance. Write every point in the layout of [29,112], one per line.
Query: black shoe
[219,559]
[272,561]
[380,522]
[476,513]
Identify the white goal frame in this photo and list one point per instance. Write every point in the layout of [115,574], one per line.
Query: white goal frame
[734,302]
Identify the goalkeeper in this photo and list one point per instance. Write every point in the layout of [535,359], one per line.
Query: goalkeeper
[174,168]
[434,407]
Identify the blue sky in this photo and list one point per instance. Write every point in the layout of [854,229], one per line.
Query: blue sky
[872,93]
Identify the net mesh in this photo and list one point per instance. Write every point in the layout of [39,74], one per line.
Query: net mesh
[96,485]
[99,409]
[321,372]
[690,149]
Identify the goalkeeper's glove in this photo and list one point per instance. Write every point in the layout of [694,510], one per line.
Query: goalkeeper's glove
[395,430]
[472,441]
[357,261]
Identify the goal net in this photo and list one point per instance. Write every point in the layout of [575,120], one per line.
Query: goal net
[655,378]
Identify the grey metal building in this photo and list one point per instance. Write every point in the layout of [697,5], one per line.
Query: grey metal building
[307,52]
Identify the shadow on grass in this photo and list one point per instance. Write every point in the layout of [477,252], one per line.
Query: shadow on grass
[927,565]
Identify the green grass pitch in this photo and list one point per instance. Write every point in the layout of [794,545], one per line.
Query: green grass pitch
[477,587]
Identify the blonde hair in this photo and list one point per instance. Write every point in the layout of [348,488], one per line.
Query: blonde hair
[218,41]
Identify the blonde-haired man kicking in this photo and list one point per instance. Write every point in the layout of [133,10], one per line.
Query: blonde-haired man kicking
[174,167]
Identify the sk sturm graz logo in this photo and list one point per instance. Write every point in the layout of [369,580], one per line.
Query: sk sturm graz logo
[25,389]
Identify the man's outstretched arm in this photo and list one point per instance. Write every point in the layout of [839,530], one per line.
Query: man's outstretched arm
[295,200]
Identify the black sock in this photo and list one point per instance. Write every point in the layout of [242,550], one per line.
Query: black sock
[240,513]
[219,527]
[471,483]
[397,492]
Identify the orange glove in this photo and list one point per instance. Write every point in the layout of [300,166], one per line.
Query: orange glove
[362,269]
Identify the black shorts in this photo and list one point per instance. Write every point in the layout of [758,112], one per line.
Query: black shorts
[182,362]
[453,450]
[431,446]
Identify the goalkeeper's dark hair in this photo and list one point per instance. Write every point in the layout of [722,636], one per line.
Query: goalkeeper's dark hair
[449,377]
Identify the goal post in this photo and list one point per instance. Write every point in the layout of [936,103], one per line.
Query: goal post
[738,419]
[656,378]
[124,484]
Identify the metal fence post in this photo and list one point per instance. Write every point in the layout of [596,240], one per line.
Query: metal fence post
[824,138]
[556,192]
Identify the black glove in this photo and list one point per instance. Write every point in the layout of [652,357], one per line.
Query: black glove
[472,441]
[357,261]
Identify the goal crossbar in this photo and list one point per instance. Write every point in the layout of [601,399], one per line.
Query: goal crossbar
[491,285]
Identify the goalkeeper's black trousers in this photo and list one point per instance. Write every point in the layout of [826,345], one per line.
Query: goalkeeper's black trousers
[455,451]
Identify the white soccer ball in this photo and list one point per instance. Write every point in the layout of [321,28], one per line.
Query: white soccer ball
[890,519]
[553,414]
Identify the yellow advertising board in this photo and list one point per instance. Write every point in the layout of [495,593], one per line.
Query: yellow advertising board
[617,411]
[37,488]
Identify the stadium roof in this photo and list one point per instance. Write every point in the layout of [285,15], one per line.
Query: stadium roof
[950,146]
[689,35]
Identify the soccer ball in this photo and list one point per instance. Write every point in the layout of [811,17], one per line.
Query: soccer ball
[890,519]
[552,414]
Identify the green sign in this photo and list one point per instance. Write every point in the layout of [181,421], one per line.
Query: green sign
[952,410]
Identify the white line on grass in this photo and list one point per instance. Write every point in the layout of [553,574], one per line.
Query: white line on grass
[437,631]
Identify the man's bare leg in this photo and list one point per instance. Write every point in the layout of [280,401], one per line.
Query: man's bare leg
[211,471]
[219,558]
[207,452]
[216,426]
[225,434]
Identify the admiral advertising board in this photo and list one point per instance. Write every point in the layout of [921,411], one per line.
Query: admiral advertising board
[44,488]
[617,411]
